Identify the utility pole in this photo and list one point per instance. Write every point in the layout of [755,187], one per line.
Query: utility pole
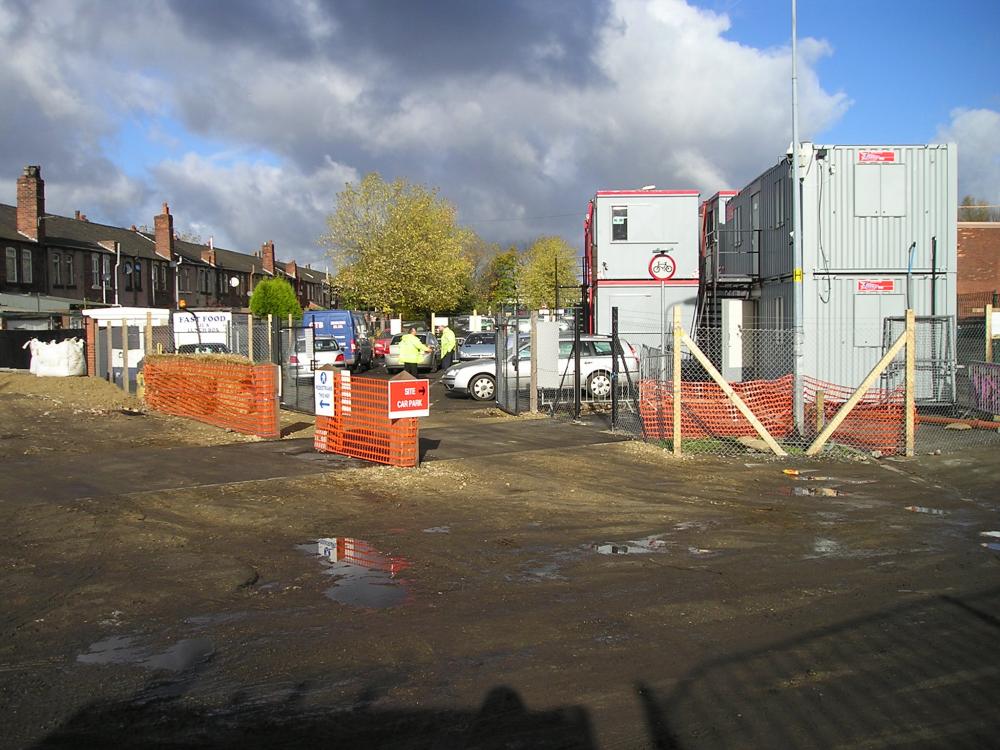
[798,397]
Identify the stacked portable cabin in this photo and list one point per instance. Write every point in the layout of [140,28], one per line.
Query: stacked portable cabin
[623,233]
[878,235]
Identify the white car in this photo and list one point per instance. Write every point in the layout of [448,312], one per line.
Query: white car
[478,379]
[323,351]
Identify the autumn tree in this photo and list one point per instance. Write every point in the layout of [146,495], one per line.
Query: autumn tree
[976,209]
[499,280]
[275,297]
[548,273]
[397,247]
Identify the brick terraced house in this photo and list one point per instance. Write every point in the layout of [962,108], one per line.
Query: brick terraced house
[58,264]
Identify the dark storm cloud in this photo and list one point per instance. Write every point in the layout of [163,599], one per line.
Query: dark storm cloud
[415,40]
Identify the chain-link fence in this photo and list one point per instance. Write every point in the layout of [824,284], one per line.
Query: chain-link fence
[181,332]
[929,390]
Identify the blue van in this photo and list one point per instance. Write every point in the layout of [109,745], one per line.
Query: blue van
[349,329]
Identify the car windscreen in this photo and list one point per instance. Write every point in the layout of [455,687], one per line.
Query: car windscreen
[481,338]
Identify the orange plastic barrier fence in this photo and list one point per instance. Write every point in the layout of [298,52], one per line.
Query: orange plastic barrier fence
[241,397]
[876,423]
[362,428]
[706,412]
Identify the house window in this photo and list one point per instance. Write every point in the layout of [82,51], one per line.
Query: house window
[619,223]
[160,277]
[57,269]
[185,282]
[137,274]
[68,276]
[27,275]
[95,271]
[11,265]
[204,286]
[127,270]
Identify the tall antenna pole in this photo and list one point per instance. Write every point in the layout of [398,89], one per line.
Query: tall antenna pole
[798,399]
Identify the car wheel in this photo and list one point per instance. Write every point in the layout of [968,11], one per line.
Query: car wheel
[483,388]
[599,384]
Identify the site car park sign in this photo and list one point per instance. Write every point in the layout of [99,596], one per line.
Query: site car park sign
[409,398]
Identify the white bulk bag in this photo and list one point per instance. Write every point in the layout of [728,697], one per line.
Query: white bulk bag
[58,359]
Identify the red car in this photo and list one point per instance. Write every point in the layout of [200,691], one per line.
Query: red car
[382,344]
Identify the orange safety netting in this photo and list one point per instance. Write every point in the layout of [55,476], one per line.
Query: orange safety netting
[241,397]
[876,422]
[706,412]
[361,427]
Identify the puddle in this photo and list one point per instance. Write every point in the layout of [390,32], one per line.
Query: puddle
[183,655]
[545,572]
[123,649]
[118,649]
[701,552]
[363,576]
[993,534]
[993,546]
[929,511]
[653,543]
[816,492]
[826,547]
[438,530]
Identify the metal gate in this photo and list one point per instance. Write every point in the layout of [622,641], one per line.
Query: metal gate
[297,361]
[508,375]
[935,358]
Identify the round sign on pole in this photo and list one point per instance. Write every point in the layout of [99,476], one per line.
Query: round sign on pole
[662,267]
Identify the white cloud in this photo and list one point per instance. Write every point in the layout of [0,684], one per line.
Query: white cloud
[976,132]
[657,94]
[242,203]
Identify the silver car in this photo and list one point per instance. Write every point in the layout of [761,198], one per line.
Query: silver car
[430,361]
[478,346]
[478,379]
[311,354]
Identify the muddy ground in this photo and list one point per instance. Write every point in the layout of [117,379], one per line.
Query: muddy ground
[528,594]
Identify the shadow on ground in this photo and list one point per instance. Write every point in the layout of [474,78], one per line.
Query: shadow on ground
[923,674]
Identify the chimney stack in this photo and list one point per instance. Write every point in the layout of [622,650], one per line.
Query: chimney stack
[291,269]
[163,229]
[267,254]
[31,203]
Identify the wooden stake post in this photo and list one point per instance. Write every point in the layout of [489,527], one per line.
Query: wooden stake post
[989,333]
[678,337]
[858,394]
[911,381]
[734,397]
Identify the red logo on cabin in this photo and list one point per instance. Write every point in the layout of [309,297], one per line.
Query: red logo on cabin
[876,156]
[876,285]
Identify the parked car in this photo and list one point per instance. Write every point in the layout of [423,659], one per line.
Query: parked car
[478,346]
[381,345]
[207,348]
[324,351]
[478,378]
[351,332]
[431,360]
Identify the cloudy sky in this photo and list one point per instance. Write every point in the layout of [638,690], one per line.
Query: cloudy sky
[249,116]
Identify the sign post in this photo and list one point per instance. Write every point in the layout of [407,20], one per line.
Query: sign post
[662,268]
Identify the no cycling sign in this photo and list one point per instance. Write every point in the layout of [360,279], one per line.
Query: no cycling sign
[662,267]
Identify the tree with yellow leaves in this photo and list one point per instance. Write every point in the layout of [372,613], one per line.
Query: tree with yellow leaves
[397,247]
